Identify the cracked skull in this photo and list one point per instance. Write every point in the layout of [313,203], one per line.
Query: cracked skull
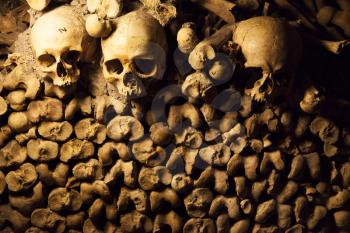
[134,54]
[59,41]
[271,47]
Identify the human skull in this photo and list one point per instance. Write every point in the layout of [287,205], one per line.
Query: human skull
[59,41]
[271,46]
[134,53]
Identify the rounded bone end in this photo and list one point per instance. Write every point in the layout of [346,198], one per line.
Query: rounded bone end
[207,225]
[187,38]
[96,27]
[38,5]
[3,106]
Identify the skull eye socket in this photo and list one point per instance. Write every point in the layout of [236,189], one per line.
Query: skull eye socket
[144,66]
[114,66]
[71,57]
[252,75]
[46,60]
[281,78]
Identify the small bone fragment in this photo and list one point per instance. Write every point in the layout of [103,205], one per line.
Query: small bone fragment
[217,155]
[247,206]
[163,11]
[22,138]
[42,150]
[20,78]
[275,158]
[288,191]
[90,227]
[76,149]
[98,28]
[57,176]
[3,106]
[341,218]
[216,176]
[21,179]
[110,151]
[258,188]
[189,137]
[147,153]
[316,216]
[338,200]
[127,170]
[55,131]
[249,163]
[183,159]
[17,100]
[2,182]
[158,199]
[198,202]
[325,129]
[91,170]
[160,133]
[5,133]
[265,210]
[284,213]
[90,130]
[221,8]
[230,204]
[135,222]
[80,103]
[27,203]
[12,154]
[19,122]
[181,183]
[46,218]
[18,221]
[137,196]
[184,115]
[125,127]
[312,100]
[198,86]
[169,220]
[186,37]
[241,226]
[62,199]
[88,191]
[46,109]
[196,225]
[153,178]
[76,220]
[38,5]
[313,162]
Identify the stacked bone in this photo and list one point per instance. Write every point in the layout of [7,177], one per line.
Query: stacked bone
[265,174]
[204,168]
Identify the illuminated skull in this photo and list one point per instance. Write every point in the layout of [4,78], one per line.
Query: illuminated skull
[134,53]
[59,41]
[270,45]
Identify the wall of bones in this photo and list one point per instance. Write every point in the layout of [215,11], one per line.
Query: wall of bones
[170,116]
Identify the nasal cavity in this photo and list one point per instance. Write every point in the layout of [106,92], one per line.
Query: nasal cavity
[129,80]
[61,71]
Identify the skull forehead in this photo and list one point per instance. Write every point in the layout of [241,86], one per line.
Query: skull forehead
[58,30]
[136,33]
[282,50]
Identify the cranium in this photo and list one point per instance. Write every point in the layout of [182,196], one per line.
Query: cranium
[273,47]
[134,53]
[266,44]
[59,41]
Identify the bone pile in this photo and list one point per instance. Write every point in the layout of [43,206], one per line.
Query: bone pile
[174,116]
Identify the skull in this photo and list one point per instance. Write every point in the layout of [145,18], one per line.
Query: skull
[134,54]
[271,46]
[59,41]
